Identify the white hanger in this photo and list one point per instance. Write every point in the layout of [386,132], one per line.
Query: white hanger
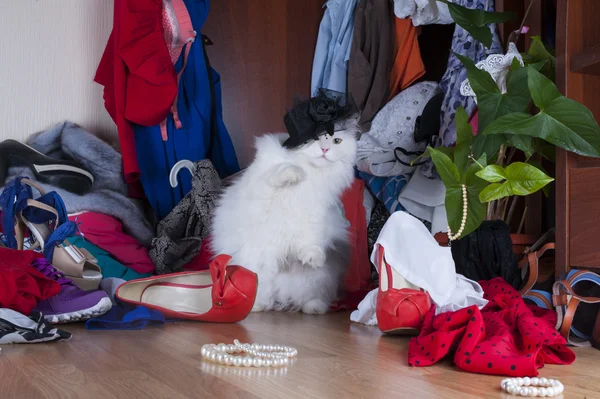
[183,164]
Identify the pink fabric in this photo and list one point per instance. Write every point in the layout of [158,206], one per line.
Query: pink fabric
[107,233]
[178,31]
[474,122]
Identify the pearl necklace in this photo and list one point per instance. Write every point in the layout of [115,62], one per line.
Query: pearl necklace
[463,222]
[527,386]
[260,355]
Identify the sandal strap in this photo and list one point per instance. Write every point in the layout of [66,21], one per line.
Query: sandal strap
[564,296]
[33,184]
[532,261]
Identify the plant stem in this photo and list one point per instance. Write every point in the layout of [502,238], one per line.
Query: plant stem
[504,207]
[501,153]
[511,211]
[511,154]
[490,210]
[514,36]
[522,223]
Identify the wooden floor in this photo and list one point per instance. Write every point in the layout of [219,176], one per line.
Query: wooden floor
[337,359]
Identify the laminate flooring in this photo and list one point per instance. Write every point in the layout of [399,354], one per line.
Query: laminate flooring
[337,359]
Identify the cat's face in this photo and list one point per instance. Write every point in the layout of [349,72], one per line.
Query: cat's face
[330,149]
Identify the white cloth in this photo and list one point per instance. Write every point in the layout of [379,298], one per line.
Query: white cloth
[423,12]
[425,198]
[498,66]
[392,127]
[366,310]
[413,252]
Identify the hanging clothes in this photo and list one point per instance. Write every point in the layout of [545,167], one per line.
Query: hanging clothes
[138,76]
[330,65]
[371,55]
[198,112]
[463,44]
[408,65]
[505,338]
[423,12]
[393,128]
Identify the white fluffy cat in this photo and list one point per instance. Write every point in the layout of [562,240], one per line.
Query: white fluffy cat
[283,220]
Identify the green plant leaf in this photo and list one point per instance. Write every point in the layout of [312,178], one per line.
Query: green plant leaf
[476,21]
[449,151]
[520,179]
[464,139]
[540,56]
[560,121]
[546,188]
[493,104]
[522,143]
[494,191]
[475,209]
[445,167]
[543,148]
[492,174]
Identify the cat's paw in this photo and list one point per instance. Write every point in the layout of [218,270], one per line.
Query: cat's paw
[258,307]
[315,306]
[287,175]
[312,256]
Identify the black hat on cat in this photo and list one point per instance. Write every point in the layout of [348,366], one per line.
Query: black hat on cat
[314,117]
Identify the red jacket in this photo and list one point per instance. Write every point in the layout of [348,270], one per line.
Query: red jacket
[137,74]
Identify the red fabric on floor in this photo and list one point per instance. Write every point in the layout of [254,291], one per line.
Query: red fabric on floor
[21,285]
[505,338]
[107,233]
[138,76]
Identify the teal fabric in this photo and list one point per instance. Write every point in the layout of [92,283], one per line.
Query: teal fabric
[109,266]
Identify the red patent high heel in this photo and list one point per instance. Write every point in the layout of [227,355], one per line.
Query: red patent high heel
[222,294]
[401,306]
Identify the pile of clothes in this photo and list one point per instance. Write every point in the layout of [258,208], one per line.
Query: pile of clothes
[369,50]
[65,248]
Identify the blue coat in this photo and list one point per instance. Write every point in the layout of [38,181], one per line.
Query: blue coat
[193,141]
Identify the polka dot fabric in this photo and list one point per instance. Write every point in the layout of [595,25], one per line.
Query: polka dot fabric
[507,337]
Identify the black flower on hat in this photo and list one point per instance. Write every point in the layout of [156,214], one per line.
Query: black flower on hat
[314,117]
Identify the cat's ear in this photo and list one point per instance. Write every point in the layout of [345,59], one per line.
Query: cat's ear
[350,125]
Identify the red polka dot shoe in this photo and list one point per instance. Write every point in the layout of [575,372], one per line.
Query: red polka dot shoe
[401,306]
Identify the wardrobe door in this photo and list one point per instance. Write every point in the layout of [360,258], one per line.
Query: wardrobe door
[578,178]
[263,50]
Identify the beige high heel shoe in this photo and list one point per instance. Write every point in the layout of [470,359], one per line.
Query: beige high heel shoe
[75,263]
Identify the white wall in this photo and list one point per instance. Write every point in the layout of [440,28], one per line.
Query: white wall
[49,51]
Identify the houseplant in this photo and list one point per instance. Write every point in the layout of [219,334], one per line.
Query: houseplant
[482,181]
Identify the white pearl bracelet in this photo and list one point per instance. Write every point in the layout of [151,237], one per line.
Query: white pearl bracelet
[260,355]
[532,387]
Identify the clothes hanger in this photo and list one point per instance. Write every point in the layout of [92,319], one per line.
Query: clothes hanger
[183,164]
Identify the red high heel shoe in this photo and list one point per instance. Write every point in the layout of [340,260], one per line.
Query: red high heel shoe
[401,306]
[222,294]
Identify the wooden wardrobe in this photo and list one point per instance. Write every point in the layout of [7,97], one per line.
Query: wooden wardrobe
[578,178]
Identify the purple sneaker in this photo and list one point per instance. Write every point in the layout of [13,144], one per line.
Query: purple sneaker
[71,303]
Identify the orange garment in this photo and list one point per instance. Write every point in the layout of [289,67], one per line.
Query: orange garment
[408,65]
